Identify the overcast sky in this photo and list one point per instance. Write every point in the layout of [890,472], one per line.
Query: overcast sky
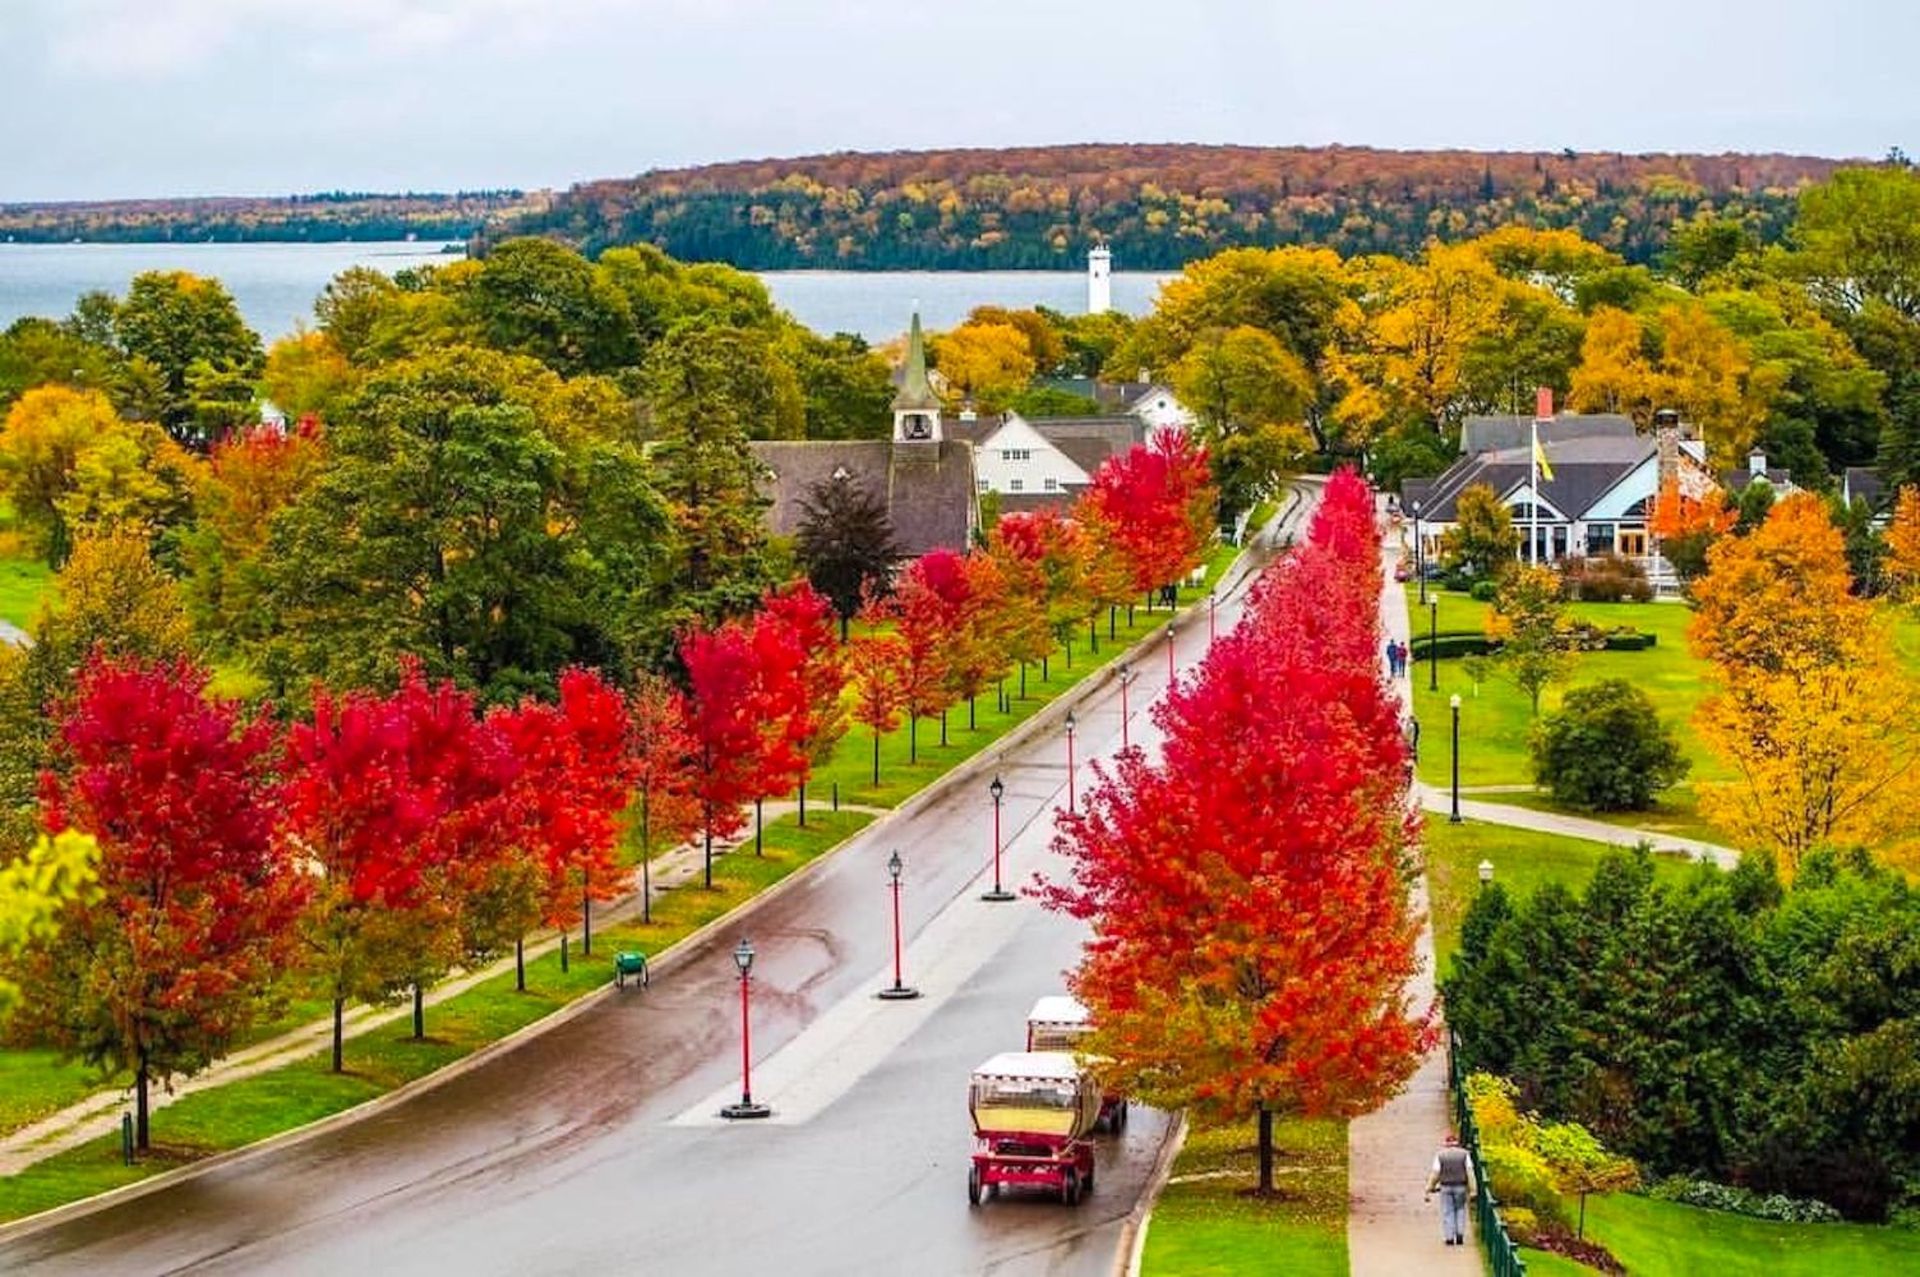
[105,98]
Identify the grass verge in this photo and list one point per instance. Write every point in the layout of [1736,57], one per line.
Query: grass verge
[251,1109]
[1204,1224]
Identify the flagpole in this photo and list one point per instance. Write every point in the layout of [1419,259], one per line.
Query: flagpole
[1533,509]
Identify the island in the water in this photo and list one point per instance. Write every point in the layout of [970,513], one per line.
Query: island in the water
[1029,208]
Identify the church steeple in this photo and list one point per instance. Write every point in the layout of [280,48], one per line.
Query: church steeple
[916,409]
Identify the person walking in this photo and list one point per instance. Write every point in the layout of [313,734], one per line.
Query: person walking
[1406,655]
[1450,1170]
[1393,659]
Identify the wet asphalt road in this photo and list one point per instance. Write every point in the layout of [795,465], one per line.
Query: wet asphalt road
[564,1155]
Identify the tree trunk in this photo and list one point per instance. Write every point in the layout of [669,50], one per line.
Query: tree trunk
[586,915]
[1112,614]
[971,726]
[943,729]
[520,963]
[803,804]
[565,966]
[1046,668]
[709,833]
[913,739]
[876,758]
[843,627]
[759,827]
[339,1009]
[1580,1234]
[1023,680]
[140,1133]
[1266,1149]
[419,1013]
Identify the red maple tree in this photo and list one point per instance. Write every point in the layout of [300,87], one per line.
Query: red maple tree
[725,721]
[923,609]
[876,672]
[1251,927]
[806,617]
[661,748]
[1155,502]
[171,963]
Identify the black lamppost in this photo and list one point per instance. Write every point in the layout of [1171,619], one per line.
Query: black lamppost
[899,992]
[998,791]
[1433,645]
[1127,676]
[1419,554]
[1070,726]
[746,1108]
[1454,701]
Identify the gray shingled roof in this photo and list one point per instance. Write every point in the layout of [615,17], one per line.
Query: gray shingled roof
[1494,434]
[1088,454]
[1865,483]
[1583,470]
[929,488]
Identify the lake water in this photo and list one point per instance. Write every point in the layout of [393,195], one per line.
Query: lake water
[275,284]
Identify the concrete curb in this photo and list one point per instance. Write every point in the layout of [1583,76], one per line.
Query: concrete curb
[666,960]
[1133,1236]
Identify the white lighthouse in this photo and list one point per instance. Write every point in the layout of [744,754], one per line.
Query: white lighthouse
[1099,280]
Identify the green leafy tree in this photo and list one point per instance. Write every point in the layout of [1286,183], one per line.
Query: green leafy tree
[190,330]
[1859,238]
[709,391]
[1529,621]
[843,383]
[1482,540]
[539,298]
[475,513]
[1606,749]
[352,305]
[1251,395]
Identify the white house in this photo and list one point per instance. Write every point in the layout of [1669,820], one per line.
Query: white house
[1605,477]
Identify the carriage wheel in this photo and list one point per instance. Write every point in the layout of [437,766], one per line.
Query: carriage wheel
[973,1185]
[1120,1116]
[1070,1187]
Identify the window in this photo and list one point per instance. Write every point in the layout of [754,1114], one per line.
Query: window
[982,484]
[1015,485]
[1051,485]
[1016,454]
[1599,538]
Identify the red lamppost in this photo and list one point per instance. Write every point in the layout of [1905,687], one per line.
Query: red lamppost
[1170,629]
[1070,726]
[1127,676]
[743,958]
[1213,601]
[899,992]
[998,791]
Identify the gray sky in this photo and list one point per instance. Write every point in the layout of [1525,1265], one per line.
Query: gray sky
[104,98]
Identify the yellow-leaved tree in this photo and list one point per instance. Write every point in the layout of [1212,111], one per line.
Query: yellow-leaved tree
[1903,547]
[1813,709]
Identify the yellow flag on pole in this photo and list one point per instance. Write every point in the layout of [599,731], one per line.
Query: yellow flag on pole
[1540,459]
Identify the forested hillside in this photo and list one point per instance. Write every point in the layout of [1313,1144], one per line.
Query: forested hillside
[1159,206]
[323,218]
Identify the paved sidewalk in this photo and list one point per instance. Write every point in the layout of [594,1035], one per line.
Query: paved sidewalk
[1392,1230]
[98,1114]
[1436,799]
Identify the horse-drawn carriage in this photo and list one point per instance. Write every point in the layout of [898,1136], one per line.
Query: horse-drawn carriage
[1060,1023]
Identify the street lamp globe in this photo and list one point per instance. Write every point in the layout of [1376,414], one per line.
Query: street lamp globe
[1454,701]
[997,789]
[743,955]
[1486,872]
[1070,723]
[894,866]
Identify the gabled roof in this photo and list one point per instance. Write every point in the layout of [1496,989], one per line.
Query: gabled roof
[1584,469]
[1864,483]
[929,488]
[1737,480]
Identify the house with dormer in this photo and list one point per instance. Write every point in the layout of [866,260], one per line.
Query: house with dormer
[1595,493]
[924,476]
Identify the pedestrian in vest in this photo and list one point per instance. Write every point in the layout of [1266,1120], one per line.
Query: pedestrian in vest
[1393,659]
[1450,1179]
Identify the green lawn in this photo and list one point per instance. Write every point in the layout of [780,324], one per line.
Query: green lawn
[1522,860]
[251,1109]
[1495,718]
[1665,1239]
[23,582]
[1208,1227]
